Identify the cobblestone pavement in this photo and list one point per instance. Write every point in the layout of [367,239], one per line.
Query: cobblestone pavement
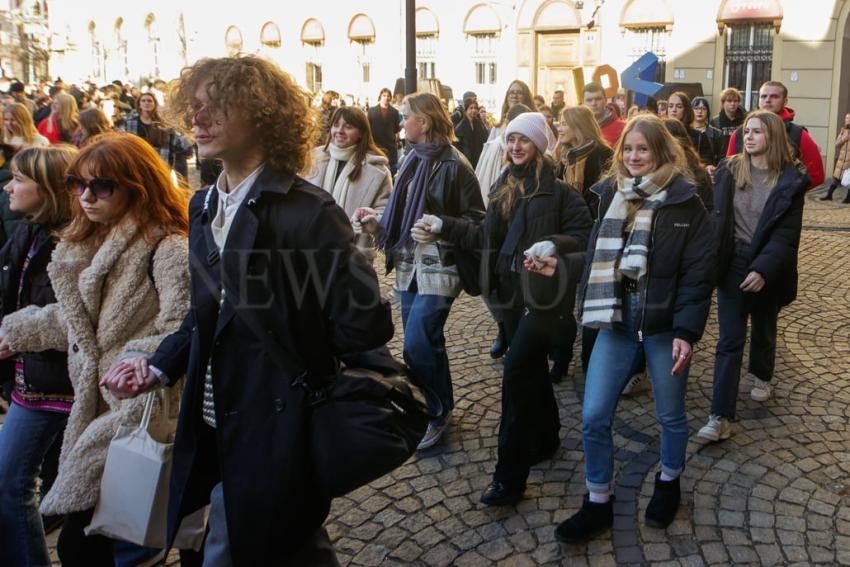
[776,493]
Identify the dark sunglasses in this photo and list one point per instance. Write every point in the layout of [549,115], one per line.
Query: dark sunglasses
[99,187]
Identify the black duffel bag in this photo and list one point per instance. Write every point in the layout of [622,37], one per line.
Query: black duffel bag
[363,425]
[364,422]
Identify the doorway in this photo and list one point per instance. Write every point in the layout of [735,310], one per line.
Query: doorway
[557,53]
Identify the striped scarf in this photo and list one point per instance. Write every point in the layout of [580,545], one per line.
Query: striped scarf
[615,257]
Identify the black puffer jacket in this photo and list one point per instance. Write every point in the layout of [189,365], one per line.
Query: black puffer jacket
[676,292]
[776,241]
[708,144]
[45,372]
[553,212]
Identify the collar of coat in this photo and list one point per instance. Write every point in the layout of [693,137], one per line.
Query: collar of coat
[78,272]
[270,180]
[678,191]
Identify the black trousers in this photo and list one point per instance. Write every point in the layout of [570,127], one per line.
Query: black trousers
[528,431]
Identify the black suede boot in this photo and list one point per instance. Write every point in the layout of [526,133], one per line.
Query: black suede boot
[500,345]
[591,520]
[830,191]
[664,503]
[846,198]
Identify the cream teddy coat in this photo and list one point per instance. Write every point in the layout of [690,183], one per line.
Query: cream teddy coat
[113,301]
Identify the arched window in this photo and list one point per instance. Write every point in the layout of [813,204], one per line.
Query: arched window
[482,27]
[270,35]
[427,31]
[233,40]
[361,29]
[312,33]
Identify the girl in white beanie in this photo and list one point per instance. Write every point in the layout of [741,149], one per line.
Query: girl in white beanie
[533,220]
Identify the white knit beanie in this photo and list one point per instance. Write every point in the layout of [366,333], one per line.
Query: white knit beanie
[533,126]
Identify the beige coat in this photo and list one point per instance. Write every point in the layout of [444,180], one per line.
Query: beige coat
[371,189]
[107,308]
[842,162]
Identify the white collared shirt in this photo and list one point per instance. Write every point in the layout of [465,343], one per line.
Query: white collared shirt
[228,204]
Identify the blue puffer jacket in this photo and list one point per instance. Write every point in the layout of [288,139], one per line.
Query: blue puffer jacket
[676,291]
[777,237]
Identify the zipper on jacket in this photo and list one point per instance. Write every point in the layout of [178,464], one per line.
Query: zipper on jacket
[646,279]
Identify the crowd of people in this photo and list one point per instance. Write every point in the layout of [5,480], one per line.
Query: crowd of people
[119,283]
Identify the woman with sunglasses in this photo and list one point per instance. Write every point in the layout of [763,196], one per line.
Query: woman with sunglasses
[120,275]
[42,396]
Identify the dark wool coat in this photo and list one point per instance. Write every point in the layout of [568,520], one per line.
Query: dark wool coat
[776,241]
[290,260]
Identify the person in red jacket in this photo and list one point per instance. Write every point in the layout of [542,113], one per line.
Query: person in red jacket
[773,96]
[609,122]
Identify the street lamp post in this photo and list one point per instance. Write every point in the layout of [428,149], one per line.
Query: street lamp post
[410,46]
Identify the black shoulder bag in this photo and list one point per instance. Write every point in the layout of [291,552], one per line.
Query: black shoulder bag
[364,423]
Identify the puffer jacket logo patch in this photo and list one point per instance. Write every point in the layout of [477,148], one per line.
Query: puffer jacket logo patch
[681,225]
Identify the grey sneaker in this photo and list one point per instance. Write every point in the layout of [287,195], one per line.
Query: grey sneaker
[432,435]
[762,391]
[635,384]
[717,429]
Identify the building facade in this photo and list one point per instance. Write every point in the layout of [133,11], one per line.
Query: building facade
[357,47]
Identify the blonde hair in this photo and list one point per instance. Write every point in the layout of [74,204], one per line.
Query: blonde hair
[22,118]
[581,121]
[779,152]
[47,167]
[666,151]
[66,113]
[438,125]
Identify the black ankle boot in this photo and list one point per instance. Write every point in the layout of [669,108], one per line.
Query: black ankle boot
[591,520]
[664,503]
[829,192]
[500,494]
[846,198]
[500,345]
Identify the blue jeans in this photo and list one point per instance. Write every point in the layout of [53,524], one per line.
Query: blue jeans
[25,439]
[732,314]
[615,358]
[423,318]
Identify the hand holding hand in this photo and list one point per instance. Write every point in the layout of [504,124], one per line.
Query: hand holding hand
[432,222]
[365,219]
[682,355]
[422,234]
[545,266]
[753,283]
[130,377]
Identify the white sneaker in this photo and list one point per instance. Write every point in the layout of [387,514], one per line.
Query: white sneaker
[635,384]
[717,429]
[761,391]
[432,435]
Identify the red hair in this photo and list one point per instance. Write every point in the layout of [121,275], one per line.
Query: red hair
[154,201]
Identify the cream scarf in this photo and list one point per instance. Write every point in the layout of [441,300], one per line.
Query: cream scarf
[338,186]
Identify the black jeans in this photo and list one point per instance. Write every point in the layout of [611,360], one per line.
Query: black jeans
[528,431]
[733,312]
